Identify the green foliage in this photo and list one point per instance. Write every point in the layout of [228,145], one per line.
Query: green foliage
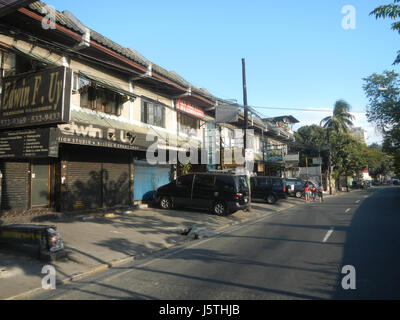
[348,154]
[383,110]
[186,168]
[391,11]
[341,119]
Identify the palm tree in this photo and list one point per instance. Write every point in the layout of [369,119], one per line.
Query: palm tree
[340,121]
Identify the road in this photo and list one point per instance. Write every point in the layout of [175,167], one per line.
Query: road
[295,254]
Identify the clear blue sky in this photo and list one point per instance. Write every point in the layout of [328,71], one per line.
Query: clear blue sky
[297,53]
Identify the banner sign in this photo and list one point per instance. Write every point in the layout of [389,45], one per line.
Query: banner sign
[274,156]
[187,108]
[30,143]
[99,136]
[34,99]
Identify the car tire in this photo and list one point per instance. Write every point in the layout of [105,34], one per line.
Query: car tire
[219,208]
[270,199]
[298,194]
[166,203]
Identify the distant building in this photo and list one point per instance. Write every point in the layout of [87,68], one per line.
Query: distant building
[360,133]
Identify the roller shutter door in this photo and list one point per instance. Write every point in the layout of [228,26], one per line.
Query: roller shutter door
[14,185]
[148,179]
[84,180]
[116,184]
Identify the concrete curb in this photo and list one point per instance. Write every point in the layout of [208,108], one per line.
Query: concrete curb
[114,263]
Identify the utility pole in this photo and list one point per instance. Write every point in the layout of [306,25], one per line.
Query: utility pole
[245,122]
[245,104]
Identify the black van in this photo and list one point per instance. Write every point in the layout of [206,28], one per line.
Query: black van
[270,189]
[220,193]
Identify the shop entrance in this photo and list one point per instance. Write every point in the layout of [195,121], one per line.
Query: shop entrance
[40,191]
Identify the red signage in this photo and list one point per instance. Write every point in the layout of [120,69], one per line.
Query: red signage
[187,108]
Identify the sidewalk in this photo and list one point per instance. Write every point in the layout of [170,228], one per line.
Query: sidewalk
[96,242]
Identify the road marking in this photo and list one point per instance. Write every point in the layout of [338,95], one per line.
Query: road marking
[358,201]
[347,210]
[328,234]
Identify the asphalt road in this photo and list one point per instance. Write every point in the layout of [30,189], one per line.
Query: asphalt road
[295,254]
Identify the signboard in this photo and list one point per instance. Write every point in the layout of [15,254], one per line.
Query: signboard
[226,114]
[292,157]
[99,136]
[34,99]
[317,161]
[274,156]
[189,109]
[30,143]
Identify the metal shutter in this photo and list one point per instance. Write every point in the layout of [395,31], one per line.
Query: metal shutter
[84,180]
[116,181]
[14,185]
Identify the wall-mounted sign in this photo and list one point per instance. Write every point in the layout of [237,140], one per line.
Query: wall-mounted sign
[37,98]
[274,156]
[99,136]
[226,113]
[292,157]
[189,109]
[29,143]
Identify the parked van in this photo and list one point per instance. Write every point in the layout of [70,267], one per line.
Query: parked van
[270,189]
[218,192]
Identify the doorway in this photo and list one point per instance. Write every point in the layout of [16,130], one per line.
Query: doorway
[40,183]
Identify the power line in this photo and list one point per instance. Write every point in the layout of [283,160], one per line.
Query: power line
[309,109]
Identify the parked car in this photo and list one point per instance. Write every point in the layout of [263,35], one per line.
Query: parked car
[295,187]
[270,189]
[218,192]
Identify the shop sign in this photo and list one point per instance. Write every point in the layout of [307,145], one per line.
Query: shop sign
[36,98]
[189,109]
[274,156]
[98,136]
[29,143]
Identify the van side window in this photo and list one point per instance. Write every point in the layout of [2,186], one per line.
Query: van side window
[277,182]
[224,182]
[185,180]
[204,180]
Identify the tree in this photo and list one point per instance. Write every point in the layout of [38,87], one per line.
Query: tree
[379,163]
[310,141]
[348,155]
[391,11]
[340,121]
[383,110]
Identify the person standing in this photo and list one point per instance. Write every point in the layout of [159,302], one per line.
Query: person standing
[313,193]
[320,193]
[307,193]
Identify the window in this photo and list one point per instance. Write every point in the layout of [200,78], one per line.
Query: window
[185,181]
[225,182]
[99,99]
[188,125]
[153,114]
[204,180]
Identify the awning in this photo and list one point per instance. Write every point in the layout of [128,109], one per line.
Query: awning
[90,128]
[107,84]
[33,56]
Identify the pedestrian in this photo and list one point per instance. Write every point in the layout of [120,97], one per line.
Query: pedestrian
[320,193]
[313,193]
[307,193]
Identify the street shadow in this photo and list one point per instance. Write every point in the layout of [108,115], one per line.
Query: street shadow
[372,246]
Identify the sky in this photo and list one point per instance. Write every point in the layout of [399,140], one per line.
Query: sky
[298,55]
